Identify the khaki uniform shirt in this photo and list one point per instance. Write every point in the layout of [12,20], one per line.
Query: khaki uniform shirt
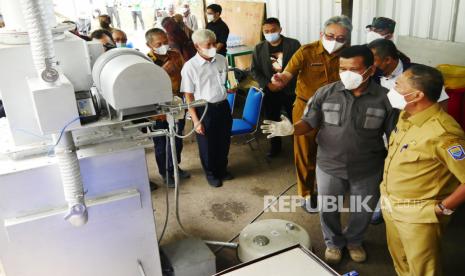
[425,164]
[314,68]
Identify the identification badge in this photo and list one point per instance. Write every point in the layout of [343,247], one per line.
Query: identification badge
[457,152]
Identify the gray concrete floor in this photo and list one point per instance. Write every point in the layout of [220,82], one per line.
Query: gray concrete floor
[220,213]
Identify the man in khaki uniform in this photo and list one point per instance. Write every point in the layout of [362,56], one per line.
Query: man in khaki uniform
[422,174]
[315,65]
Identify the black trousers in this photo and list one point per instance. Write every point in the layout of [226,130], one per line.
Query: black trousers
[273,103]
[160,147]
[214,145]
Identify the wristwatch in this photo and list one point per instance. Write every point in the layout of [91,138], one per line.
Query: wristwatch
[444,210]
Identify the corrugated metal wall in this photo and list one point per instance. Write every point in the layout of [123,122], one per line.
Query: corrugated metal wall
[302,19]
[432,19]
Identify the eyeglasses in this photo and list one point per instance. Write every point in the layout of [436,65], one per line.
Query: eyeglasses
[331,37]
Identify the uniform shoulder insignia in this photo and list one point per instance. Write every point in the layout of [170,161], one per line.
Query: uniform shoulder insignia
[456,152]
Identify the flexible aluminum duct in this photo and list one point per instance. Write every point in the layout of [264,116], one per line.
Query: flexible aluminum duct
[36,13]
[68,163]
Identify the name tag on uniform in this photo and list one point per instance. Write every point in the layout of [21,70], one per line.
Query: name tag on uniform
[316,64]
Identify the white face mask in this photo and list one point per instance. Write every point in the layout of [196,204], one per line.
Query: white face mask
[351,80]
[273,37]
[184,10]
[210,17]
[371,36]
[120,45]
[331,46]
[211,52]
[162,50]
[396,99]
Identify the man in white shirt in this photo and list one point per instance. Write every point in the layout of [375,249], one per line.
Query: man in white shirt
[204,78]
[112,11]
[189,19]
[390,65]
[136,13]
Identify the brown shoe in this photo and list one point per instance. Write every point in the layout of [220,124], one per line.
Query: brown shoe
[357,253]
[333,255]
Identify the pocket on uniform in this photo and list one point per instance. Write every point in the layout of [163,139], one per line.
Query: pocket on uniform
[410,156]
[332,113]
[374,118]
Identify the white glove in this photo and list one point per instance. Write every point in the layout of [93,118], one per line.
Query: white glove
[283,128]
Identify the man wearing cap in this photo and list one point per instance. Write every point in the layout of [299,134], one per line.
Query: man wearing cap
[381,27]
[424,174]
[314,65]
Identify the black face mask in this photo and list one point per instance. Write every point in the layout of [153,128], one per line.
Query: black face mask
[108,46]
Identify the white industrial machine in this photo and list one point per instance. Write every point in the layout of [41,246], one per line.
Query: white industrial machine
[293,260]
[74,191]
[74,188]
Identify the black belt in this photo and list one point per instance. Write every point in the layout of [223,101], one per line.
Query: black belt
[218,103]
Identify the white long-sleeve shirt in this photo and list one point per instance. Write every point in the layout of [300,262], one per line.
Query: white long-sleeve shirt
[191,21]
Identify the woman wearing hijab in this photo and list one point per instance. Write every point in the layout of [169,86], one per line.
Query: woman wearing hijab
[178,39]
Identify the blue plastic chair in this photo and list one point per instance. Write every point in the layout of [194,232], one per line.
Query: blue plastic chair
[231,100]
[249,122]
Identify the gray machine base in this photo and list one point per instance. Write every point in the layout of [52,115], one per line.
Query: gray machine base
[190,257]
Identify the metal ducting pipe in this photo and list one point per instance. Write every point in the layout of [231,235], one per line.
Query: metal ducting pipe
[37,15]
[70,171]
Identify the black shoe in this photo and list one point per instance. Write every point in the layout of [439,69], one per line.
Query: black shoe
[214,182]
[153,186]
[228,176]
[169,181]
[183,174]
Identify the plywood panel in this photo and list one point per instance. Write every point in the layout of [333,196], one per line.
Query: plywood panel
[245,20]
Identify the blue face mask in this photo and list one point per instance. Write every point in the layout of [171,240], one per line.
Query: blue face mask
[273,37]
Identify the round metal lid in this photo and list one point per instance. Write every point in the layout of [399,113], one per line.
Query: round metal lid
[270,235]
